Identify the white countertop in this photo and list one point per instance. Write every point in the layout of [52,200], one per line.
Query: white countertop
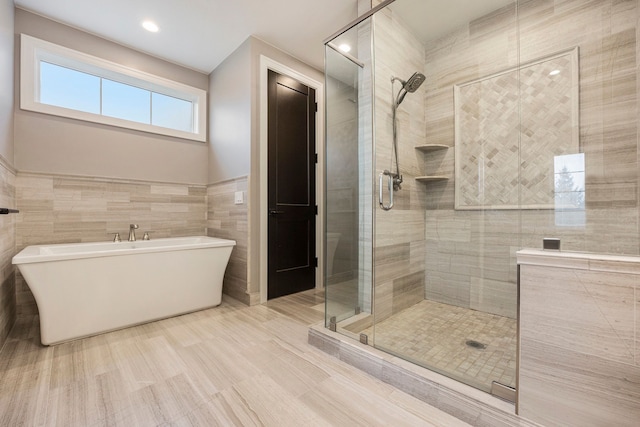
[579,260]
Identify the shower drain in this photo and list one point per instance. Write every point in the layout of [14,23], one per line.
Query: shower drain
[475,344]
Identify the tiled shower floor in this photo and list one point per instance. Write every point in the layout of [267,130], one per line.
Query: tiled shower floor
[434,335]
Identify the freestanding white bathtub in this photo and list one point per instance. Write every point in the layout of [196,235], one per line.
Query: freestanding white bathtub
[85,289]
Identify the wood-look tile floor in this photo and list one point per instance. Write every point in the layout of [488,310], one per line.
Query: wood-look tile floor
[435,335]
[230,365]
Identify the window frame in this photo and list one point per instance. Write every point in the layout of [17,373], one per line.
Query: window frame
[33,51]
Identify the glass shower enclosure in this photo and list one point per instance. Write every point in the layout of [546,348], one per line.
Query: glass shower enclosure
[455,137]
[349,161]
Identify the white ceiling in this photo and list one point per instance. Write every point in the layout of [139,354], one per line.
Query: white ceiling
[200,34]
[430,19]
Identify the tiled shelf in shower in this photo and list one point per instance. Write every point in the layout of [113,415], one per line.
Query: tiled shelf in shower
[431,147]
[431,178]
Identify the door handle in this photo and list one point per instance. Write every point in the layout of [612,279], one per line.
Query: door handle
[275,212]
[389,176]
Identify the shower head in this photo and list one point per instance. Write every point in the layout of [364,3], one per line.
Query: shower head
[414,82]
[409,86]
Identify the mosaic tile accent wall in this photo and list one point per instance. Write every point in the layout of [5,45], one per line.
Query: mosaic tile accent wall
[471,255]
[7,251]
[498,161]
[63,209]
[230,221]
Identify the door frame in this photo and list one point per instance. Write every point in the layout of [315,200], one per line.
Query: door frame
[267,64]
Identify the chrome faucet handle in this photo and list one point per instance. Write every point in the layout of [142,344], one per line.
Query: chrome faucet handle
[146,236]
[116,237]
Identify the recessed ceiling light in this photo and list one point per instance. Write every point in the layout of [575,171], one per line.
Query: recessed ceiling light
[344,47]
[554,73]
[150,26]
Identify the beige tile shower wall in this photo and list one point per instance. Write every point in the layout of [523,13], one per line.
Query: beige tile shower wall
[7,251]
[471,260]
[399,233]
[470,255]
[342,177]
[227,220]
[366,185]
[579,351]
[62,209]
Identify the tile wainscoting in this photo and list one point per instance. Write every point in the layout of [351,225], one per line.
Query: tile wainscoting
[70,209]
[7,250]
[579,351]
[227,220]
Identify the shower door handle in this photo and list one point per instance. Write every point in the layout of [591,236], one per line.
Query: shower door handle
[389,186]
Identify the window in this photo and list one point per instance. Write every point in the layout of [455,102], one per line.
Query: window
[63,82]
[569,191]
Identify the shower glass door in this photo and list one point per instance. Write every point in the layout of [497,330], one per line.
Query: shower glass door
[524,127]
[348,260]
[445,293]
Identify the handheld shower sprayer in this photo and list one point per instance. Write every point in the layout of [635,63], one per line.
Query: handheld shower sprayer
[408,86]
[394,178]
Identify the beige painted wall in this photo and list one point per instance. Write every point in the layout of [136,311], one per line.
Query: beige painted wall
[235,131]
[234,108]
[6,80]
[56,145]
[259,48]
[230,116]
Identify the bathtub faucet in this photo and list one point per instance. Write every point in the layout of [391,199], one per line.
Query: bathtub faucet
[132,232]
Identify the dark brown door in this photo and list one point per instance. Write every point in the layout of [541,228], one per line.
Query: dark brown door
[292,185]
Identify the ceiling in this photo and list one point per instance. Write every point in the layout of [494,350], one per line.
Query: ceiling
[431,19]
[200,34]
[427,20]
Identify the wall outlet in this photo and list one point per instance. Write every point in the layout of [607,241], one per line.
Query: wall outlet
[239,197]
